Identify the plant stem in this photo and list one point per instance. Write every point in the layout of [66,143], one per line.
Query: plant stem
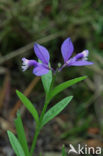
[34,141]
[44,110]
[38,127]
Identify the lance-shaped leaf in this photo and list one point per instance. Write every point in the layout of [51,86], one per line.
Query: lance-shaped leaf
[65,85]
[27,103]
[55,110]
[47,80]
[15,144]
[21,134]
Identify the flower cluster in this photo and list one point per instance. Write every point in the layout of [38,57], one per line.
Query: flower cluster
[67,48]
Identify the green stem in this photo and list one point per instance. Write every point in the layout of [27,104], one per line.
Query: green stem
[38,127]
[34,141]
[44,109]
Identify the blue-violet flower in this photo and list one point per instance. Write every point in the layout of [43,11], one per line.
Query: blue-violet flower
[80,59]
[39,68]
[67,48]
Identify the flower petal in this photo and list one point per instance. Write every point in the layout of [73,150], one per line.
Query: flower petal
[67,49]
[40,70]
[27,63]
[83,55]
[81,63]
[42,53]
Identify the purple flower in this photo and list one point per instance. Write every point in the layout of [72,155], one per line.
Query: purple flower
[39,68]
[42,54]
[80,59]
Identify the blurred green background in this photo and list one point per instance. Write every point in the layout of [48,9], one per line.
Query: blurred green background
[49,22]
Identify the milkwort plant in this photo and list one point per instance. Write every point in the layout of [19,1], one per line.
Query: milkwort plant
[43,68]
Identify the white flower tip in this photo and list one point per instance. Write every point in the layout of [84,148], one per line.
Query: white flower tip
[25,64]
[85,54]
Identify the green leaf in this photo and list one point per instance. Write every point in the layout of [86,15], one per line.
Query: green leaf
[21,134]
[65,85]
[47,80]
[55,110]
[63,151]
[27,103]
[15,144]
